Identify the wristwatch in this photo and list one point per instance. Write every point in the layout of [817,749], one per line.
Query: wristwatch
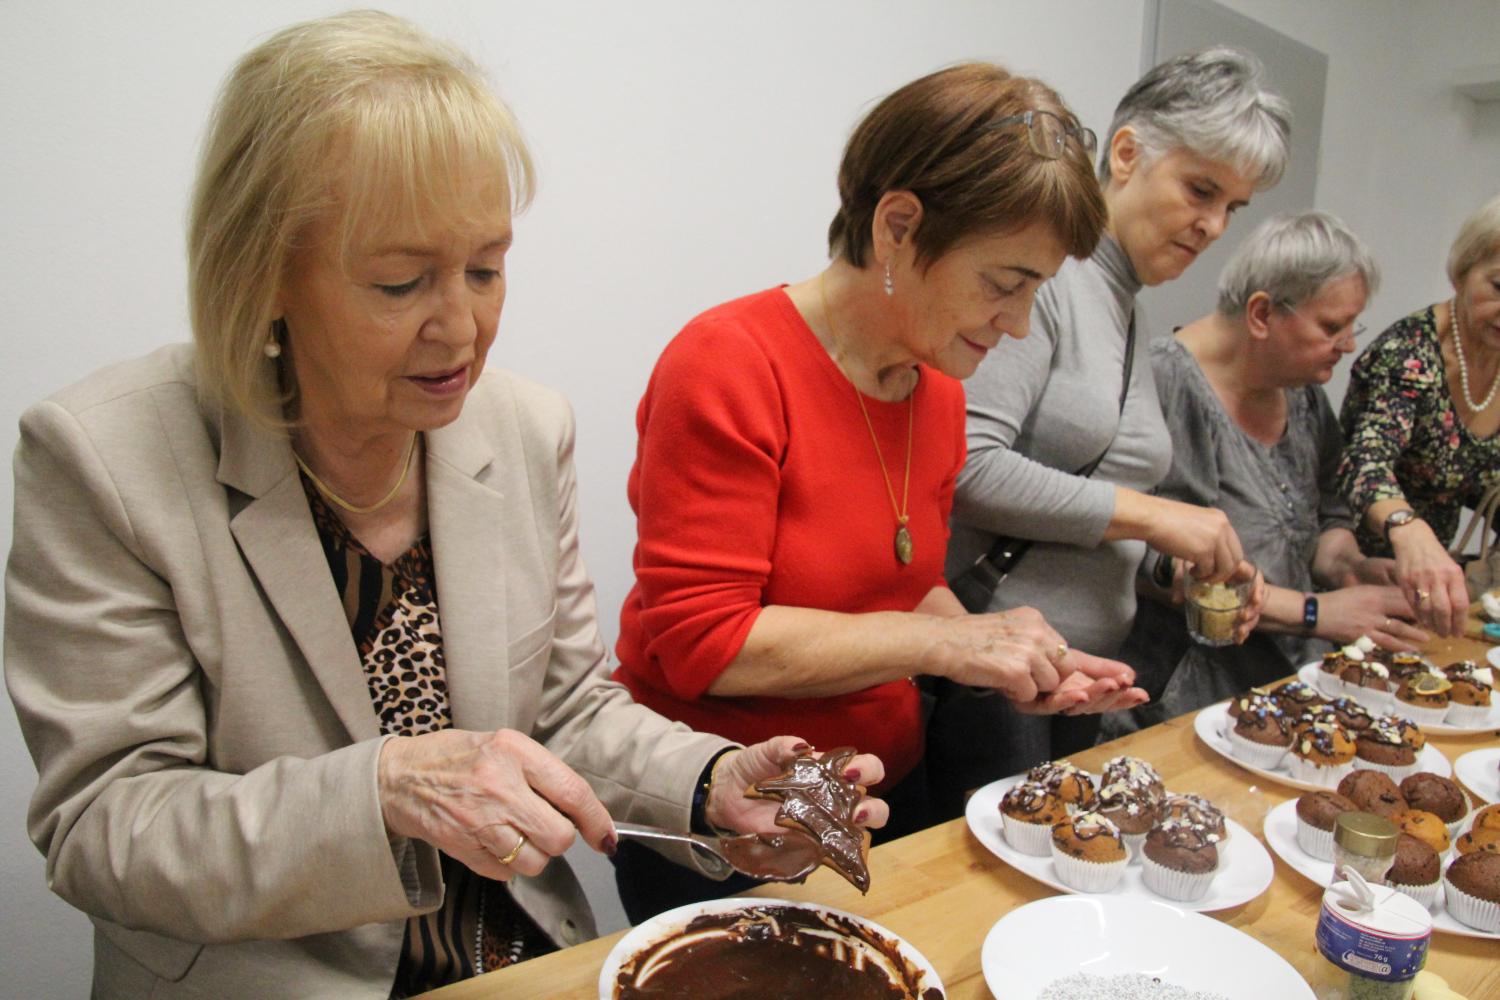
[1310,612]
[1397,518]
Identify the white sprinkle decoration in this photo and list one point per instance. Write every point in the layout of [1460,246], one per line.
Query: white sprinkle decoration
[1365,644]
[1127,986]
[1354,653]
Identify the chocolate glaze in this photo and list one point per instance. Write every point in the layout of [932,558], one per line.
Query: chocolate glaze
[786,857]
[770,953]
[819,801]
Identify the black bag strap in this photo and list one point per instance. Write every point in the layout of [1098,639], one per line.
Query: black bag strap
[991,568]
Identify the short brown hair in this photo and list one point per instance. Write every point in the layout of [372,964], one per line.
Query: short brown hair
[930,138]
[360,104]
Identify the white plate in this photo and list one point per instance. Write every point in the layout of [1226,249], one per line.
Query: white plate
[1245,868]
[1045,940]
[1281,833]
[1479,770]
[1493,655]
[1308,674]
[670,922]
[1213,722]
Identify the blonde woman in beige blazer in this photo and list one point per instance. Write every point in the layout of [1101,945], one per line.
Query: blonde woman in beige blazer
[251,789]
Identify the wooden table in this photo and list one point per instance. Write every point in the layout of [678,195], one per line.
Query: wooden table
[942,890]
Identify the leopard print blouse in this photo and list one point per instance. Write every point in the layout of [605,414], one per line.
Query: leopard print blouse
[393,615]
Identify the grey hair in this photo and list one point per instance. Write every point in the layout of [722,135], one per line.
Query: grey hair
[1291,258]
[1477,240]
[1213,103]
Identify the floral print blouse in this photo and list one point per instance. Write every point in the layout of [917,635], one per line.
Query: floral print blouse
[1403,436]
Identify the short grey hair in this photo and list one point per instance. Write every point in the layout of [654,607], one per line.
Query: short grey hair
[1291,258]
[1478,240]
[1213,103]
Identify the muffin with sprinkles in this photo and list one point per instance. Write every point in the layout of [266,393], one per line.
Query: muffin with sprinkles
[1067,781]
[1087,852]
[1322,753]
[1131,809]
[1252,699]
[1134,771]
[1411,733]
[1179,860]
[1197,810]
[1351,714]
[1423,697]
[1295,696]
[1383,748]
[1027,812]
[1261,737]
[1370,681]
[1329,669]
[1470,699]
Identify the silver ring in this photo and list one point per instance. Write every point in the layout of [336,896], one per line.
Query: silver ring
[514,851]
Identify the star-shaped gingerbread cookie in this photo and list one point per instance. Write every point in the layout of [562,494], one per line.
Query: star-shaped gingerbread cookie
[818,800]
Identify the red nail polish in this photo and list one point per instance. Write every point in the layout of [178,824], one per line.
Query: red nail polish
[610,845]
[802,747]
[861,815]
[852,774]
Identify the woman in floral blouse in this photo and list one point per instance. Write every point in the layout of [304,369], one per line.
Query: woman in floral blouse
[1421,417]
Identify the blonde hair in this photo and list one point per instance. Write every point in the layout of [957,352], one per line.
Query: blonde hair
[343,111]
[1477,241]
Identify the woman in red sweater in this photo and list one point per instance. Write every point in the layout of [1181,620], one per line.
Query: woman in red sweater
[799,447]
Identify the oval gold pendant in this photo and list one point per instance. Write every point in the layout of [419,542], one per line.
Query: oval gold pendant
[903,545]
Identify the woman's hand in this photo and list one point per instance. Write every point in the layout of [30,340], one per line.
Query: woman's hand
[1249,616]
[475,796]
[1381,613]
[1202,536]
[727,807]
[1432,582]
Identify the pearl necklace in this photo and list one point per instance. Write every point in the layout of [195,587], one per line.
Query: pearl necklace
[1463,367]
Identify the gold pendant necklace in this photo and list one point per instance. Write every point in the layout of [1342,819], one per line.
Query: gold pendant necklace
[328,492]
[903,542]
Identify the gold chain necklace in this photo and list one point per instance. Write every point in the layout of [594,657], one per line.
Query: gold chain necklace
[904,549]
[328,492]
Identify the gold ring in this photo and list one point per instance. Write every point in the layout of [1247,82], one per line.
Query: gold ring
[1062,651]
[514,851]
[1423,596]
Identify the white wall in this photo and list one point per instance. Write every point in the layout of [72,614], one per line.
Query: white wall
[687,155]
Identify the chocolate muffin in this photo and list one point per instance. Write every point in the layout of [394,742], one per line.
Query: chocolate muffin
[1261,736]
[1295,696]
[1382,748]
[1312,714]
[1435,794]
[1373,791]
[1333,662]
[1179,860]
[1417,870]
[1316,813]
[1198,811]
[1067,781]
[1472,886]
[1368,676]
[1425,826]
[1131,809]
[1351,714]
[1134,771]
[1254,698]
[1411,733]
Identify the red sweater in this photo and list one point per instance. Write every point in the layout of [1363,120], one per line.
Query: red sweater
[756,483]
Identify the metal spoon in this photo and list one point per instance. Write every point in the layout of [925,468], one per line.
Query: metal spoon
[787,858]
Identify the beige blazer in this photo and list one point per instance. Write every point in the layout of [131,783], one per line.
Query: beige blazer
[186,682]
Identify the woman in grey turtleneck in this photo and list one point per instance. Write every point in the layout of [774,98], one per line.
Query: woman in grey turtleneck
[1189,144]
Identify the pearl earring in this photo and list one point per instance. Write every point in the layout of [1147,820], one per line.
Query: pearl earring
[890,286]
[272,349]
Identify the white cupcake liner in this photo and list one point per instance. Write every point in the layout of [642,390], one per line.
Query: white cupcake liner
[1260,755]
[1182,886]
[1134,842]
[1477,913]
[1328,685]
[1377,701]
[1028,838]
[1457,827]
[1088,876]
[1468,716]
[1318,843]
[1325,775]
[1419,714]
[1397,772]
[1425,894]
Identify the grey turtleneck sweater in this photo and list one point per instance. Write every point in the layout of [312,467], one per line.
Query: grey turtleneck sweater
[1039,409]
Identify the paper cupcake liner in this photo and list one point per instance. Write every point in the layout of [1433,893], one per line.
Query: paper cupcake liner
[1397,772]
[1328,684]
[1134,842]
[1425,894]
[1028,838]
[1182,886]
[1477,913]
[1318,843]
[1421,715]
[1468,716]
[1088,876]
[1326,775]
[1267,758]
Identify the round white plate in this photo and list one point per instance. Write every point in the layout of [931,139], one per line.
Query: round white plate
[1213,722]
[1281,833]
[1245,868]
[1308,674]
[1034,945]
[1479,770]
[1493,655]
[672,921]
